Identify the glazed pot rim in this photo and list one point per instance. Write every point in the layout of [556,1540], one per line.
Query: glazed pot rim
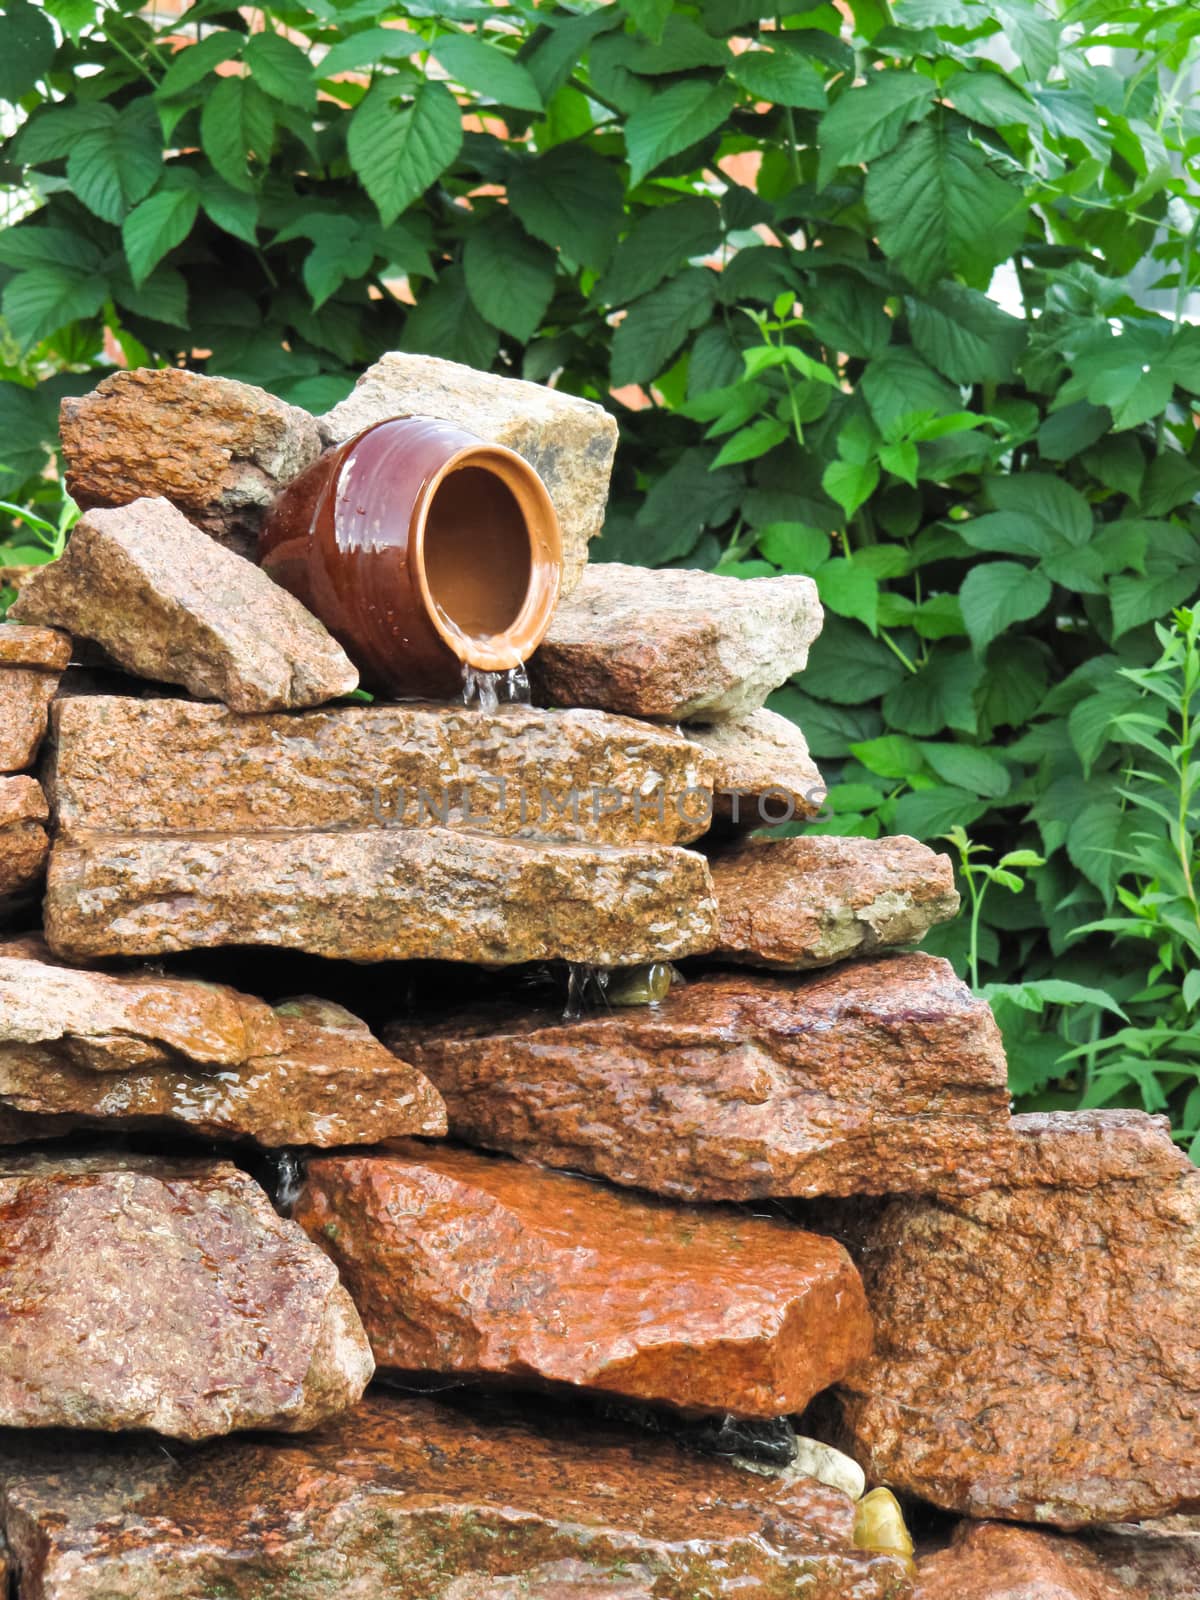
[502,651]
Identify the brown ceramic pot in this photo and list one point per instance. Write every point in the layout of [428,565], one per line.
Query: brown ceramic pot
[422,549]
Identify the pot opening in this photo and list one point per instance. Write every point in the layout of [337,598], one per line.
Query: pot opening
[476,553]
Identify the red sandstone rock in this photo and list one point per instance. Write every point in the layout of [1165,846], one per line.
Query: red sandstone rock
[144,1293]
[23,842]
[807,902]
[38,649]
[875,1077]
[408,1500]
[1038,1344]
[169,604]
[764,773]
[217,449]
[989,1561]
[465,1263]
[31,662]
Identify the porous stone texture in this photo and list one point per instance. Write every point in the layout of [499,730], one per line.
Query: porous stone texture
[85,1049]
[1152,1561]
[23,842]
[218,449]
[476,1265]
[994,1561]
[378,895]
[173,765]
[148,1293]
[807,902]
[410,1500]
[875,1077]
[169,604]
[569,442]
[1038,1344]
[675,644]
[764,774]
[32,660]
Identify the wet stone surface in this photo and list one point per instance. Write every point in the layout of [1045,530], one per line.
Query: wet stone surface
[471,1264]
[875,1077]
[407,1498]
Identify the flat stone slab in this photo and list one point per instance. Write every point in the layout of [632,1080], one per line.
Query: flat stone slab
[410,1500]
[874,1078]
[807,902]
[24,844]
[378,895]
[173,765]
[88,1050]
[1038,1344]
[218,449]
[169,604]
[992,1561]
[468,1264]
[569,442]
[148,1293]
[32,660]
[764,774]
[675,644]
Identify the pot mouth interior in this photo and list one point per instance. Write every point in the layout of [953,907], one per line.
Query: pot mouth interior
[488,553]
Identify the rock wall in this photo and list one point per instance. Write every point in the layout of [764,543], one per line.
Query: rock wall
[350,1051]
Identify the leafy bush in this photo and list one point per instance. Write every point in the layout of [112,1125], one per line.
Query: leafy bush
[767,243]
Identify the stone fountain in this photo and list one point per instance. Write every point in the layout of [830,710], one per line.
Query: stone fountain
[447,1154]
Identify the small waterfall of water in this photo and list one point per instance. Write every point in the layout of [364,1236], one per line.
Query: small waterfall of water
[491,690]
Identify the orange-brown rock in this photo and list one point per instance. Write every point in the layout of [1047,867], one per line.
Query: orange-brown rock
[144,1293]
[217,449]
[31,662]
[764,773]
[471,1264]
[807,902]
[23,842]
[675,644]
[994,1561]
[1152,1561]
[875,1077]
[169,604]
[1038,1344]
[164,766]
[378,895]
[85,1049]
[405,1499]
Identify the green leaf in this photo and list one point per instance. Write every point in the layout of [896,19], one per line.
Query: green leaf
[929,813]
[53,132]
[162,298]
[850,483]
[344,253]
[368,48]
[510,276]
[990,97]
[793,546]
[655,326]
[230,209]
[399,149]
[867,121]
[847,316]
[967,767]
[996,594]
[1065,433]
[237,124]
[898,383]
[114,166]
[781,77]
[1149,599]
[1051,502]
[1133,392]
[1094,838]
[570,198]
[156,226]
[849,590]
[39,302]
[829,730]
[966,335]
[487,70]
[940,695]
[28,245]
[890,755]
[659,243]
[281,69]
[748,443]
[446,323]
[940,209]
[650,16]
[1171,480]
[849,665]
[27,46]
[192,62]
[672,121]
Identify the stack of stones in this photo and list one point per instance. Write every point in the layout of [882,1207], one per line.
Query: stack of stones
[634,1302]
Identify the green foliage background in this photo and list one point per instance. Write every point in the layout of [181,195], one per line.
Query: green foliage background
[781,229]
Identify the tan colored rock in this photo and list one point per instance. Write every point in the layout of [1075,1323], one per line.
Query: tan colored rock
[468,1264]
[875,1077]
[675,644]
[405,1499]
[991,1561]
[147,1293]
[569,442]
[32,661]
[807,902]
[1038,1349]
[24,845]
[173,765]
[85,1049]
[169,604]
[764,773]
[383,894]
[217,449]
